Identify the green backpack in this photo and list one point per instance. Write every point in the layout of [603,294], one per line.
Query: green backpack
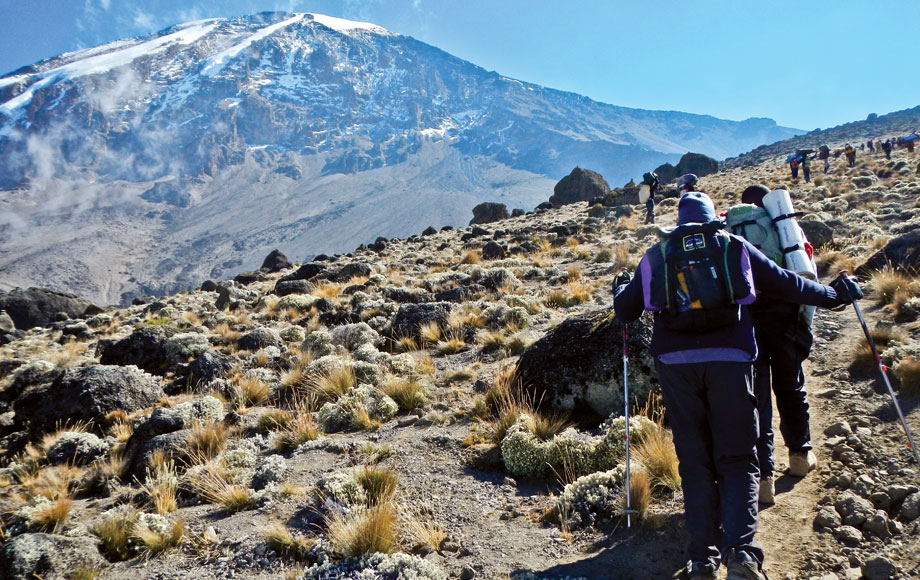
[754,224]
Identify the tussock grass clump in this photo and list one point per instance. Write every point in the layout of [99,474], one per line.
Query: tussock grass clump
[640,493]
[274,420]
[364,532]
[657,455]
[250,391]
[52,517]
[280,539]
[888,282]
[372,454]
[556,299]
[908,373]
[863,363]
[156,540]
[470,257]
[327,387]
[452,344]
[547,426]
[603,256]
[408,393]
[205,441]
[405,344]
[50,482]
[84,573]
[429,333]
[214,487]
[379,483]
[161,485]
[300,429]
[115,533]
[362,420]
[425,533]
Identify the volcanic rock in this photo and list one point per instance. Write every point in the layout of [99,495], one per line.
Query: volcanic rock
[580,185]
[488,212]
[38,307]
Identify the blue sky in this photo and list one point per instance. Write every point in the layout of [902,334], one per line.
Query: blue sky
[806,65]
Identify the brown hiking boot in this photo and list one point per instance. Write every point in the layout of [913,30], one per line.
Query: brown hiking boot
[801,462]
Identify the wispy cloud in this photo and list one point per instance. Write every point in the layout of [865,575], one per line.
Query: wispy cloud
[144,20]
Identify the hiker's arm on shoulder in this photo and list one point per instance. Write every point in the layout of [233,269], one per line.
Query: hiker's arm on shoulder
[773,281]
[628,302]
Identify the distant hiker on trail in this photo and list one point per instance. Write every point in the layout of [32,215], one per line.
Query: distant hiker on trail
[806,167]
[886,147]
[793,161]
[784,341]
[871,148]
[850,153]
[910,141]
[651,180]
[824,154]
[862,146]
[703,346]
[686,183]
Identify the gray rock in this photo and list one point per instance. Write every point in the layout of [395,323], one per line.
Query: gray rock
[839,428]
[76,448]
[827,518]
[579,185]
[47,556]
[576,367]
[853,509]
[6,323]
[488,212]
[849,536]
[878,525]
[285,287]
[38,306]
[211,365]
[910,509]
[879,568]
[467,573]
[87,394]
[260,338]
[144,348]
[493,251]
[275,261]
[410,317]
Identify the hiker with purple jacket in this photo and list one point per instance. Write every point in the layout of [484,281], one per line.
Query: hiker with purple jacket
[698,283]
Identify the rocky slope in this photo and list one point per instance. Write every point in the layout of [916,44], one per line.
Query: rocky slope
[253,404]
[148,165]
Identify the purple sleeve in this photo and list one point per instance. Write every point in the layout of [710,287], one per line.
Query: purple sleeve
[749,276]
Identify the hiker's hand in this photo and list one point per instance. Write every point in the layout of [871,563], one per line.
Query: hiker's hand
[622,278]
[847,288]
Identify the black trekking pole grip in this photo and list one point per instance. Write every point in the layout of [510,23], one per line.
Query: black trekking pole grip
[884,372]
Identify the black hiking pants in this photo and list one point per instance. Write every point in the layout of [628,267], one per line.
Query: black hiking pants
[713,415]
[782,346]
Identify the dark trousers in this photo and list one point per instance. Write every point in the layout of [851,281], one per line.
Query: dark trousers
[795,173]
[713,415]
[782,346]
[807,173]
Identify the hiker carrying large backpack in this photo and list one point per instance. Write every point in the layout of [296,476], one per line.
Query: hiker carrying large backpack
[651,180]
[850,153]
[698,285]
[784,339]
[793,161]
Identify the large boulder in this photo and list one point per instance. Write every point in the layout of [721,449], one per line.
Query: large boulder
[902,253]
[146,348]
[578,366]
[275,262]
[48,556]
[410,318]
[87,395]
[305,272]
[817,232]
[39,306]
[580,185]
[696,163]
[488,212]
[209,366]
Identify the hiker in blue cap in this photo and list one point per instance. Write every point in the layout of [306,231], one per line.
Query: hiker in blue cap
[698,283]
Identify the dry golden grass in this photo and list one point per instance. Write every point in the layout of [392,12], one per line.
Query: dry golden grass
[364,532]
[213,486]
[115,534]
[580,292]
[460,320]
[908,373]
[191,318]
[407,392]
[429,333]
[372,454]
[84,573]
[328,386]
[156,542]
[424,365]
[161,485]
[404,344]
[52,482]
[298,431]
[470,257]
[424,532]
[547,426]
[53,517]
[248,391]
[362,420]
[657,455]
[227,335]
[640,493]
[452,344]
[832,262]
[888,282]
[379,483]
[491,340]
[328,290]
[279,539]
[274,419]
[557,299]
[574,273]
[205,441]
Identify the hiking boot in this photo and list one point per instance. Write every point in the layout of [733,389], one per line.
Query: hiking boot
[801,462]
[767,495]
[743,566]
[701,571]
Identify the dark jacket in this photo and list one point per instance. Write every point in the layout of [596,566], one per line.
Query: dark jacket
[769,280]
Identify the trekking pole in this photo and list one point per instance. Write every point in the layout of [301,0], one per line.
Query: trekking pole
[883,369]
[628,511]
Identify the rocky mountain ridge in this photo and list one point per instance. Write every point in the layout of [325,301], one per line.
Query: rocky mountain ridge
[147,165]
